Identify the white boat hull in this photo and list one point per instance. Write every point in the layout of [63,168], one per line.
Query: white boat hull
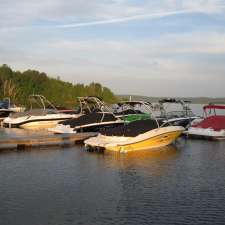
[37,122]
[62,129]
[206,133]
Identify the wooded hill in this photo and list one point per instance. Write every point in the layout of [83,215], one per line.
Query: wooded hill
[19,85]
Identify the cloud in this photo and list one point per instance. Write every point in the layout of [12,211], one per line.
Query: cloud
[60,13]
[126,19]
[180,61]
[168,62]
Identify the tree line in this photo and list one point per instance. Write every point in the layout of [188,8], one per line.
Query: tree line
[19,85]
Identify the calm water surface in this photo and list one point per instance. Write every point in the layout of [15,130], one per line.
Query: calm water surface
[174,185]
[182,184]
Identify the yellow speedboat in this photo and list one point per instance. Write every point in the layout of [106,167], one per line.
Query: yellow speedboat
[137,135]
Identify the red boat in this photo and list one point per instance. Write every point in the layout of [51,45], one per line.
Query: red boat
[213,124]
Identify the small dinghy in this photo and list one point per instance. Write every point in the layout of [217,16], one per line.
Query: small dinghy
[212,126]
[137,135]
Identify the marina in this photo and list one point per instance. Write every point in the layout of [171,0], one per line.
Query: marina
[112,112]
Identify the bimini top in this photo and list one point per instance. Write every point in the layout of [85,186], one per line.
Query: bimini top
[213,106]
[133,107]
[133,103]
[173,100]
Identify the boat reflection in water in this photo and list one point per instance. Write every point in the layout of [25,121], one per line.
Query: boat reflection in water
[151,161]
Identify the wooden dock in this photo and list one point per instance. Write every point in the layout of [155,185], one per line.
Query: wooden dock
[42,140]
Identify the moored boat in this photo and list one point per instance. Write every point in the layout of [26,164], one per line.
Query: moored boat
[176,112]
[45,116]
[133,110]
[7,107]
[212,126]
[98,117]
[137,135]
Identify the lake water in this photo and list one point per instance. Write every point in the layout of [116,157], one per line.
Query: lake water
[179,184]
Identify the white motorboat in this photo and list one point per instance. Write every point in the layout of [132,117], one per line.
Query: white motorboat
[175,112]
[98,117]
[7,107]
[45,116]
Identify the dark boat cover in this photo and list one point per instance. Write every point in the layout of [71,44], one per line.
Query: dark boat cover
[132,129]
[128,112]
[217,123]
[95,117]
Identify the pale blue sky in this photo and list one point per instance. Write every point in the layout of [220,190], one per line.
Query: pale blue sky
[154,48]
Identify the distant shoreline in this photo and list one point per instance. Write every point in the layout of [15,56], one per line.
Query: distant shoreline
[194,100]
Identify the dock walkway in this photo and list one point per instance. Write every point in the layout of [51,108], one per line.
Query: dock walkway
[20,139]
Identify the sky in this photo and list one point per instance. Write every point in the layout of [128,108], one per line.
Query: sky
[142,47]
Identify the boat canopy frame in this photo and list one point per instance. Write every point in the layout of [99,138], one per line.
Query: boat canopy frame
[183,103]
[213,106]
[147,105]
[93,103]
[41,101]
[97,103]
